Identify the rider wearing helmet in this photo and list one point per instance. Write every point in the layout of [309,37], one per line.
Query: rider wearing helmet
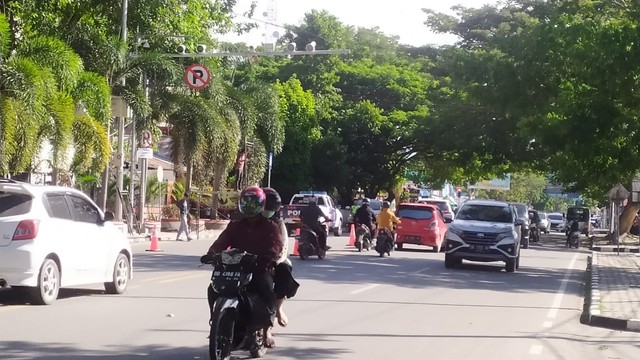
[310,215]
[365,216]
[386,218]
[284,284]
[259,236]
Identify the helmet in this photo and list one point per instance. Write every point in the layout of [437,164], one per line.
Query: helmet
[365,201]
[386,205]
[273,202]
[252,201]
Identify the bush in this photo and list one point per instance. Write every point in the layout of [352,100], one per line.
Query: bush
[170,212]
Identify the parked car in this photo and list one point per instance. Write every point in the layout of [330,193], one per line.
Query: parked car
[55,237]
[291,213]
[523,213]
[485,231]
[556,221]
[443,205]
[422,224]
[544,225]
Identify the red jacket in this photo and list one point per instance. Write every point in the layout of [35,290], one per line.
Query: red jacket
[258,236]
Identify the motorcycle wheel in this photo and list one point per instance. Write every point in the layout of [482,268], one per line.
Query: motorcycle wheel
[221,337]
[322,254]
[303,251]
[257,348]
[359,245]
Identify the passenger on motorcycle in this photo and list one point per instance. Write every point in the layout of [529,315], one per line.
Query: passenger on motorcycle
[575,226]
[309,216]
[259,236]
[285,285]
[387,219]
[365,216]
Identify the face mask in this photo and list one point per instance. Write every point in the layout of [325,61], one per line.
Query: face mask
[268,213]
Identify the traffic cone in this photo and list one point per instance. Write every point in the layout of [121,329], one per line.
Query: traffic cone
[352,236]
[296,243]
[154,240]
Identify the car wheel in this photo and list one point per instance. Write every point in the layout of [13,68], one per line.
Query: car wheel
[338,231]
[525,244]
[48,284]
[437,248]
[121,271]
[510,266]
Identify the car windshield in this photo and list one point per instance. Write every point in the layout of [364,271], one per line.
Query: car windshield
[522,210]
[440,204]
[415,213]
[491,213]
[555,217]
[304,200]
[543,216]
[375,205]
[12,204]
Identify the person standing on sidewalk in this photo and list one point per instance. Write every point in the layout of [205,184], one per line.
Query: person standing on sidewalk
[183,205]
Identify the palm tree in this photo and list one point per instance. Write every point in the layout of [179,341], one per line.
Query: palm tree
[37,104]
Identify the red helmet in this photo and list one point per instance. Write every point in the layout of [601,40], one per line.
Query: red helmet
[252,201]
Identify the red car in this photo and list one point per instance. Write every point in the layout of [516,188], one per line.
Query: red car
[422,224]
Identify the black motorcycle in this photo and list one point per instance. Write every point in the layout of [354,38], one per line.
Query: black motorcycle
[384,242]
[363,238]
[573,239]
[534,232]
[234,313]
[308,244]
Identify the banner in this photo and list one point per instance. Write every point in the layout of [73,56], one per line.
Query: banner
[495,184]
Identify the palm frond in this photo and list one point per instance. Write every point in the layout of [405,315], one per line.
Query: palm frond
[94,92]
[5,36]
[52,53]
[9,110]
[91,142]
[63,114]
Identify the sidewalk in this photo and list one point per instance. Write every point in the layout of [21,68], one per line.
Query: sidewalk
[614,298]
[171,236]
[628,244]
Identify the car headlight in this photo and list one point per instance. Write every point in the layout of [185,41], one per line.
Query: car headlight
[506,234]
[454,234]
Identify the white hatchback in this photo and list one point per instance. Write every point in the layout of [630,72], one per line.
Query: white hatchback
[52,237]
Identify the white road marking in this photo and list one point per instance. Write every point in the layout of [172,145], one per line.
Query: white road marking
[536,350]
[421,270]
[363,289]
[12,307]
[557,301]
[163,277]
[547,324]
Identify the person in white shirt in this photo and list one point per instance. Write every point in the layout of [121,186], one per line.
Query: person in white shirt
[285,285]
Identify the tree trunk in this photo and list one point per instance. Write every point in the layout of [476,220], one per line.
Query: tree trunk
[215,197]
[187,185]
[627,217]
[104,189]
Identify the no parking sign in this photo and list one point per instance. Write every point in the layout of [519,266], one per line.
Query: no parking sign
[197,76]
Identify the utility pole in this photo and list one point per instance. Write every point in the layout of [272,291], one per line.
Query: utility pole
[143,166]
[120,121]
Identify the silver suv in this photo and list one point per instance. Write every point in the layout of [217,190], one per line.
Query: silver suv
[486,231]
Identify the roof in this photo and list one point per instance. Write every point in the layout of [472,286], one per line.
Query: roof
[38,189]
[419,205]
[486,203]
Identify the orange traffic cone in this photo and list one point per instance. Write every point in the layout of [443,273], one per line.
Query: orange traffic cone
[352,236]
[296,244]
[154,240]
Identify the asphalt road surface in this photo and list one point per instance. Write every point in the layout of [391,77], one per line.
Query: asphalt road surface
[350,306]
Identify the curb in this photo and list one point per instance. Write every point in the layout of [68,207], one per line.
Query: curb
[623,249]
[594,315]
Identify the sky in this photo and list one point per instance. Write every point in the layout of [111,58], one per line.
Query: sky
[403,18]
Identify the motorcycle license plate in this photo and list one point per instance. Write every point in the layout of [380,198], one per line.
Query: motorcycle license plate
[226,275]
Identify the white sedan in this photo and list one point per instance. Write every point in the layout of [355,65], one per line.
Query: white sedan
[52,237]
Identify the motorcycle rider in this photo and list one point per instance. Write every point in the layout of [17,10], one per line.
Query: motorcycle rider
[259,236]
[365,216]
[284,284]
[575,226]
[387,219]
[309,216]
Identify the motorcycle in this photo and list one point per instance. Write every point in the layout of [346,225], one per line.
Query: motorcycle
[234,313]
[308,244]
[534,233]
[574,239]
[363,238]
[384,242]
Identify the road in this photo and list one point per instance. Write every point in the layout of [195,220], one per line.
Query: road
[351,306]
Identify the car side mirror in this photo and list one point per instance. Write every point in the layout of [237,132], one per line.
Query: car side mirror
[108,216]
[520,222]
[448,220]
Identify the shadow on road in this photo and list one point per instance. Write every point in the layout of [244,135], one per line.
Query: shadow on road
[12,297]
[54,351]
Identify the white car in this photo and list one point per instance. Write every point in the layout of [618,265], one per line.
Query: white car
[53,237]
